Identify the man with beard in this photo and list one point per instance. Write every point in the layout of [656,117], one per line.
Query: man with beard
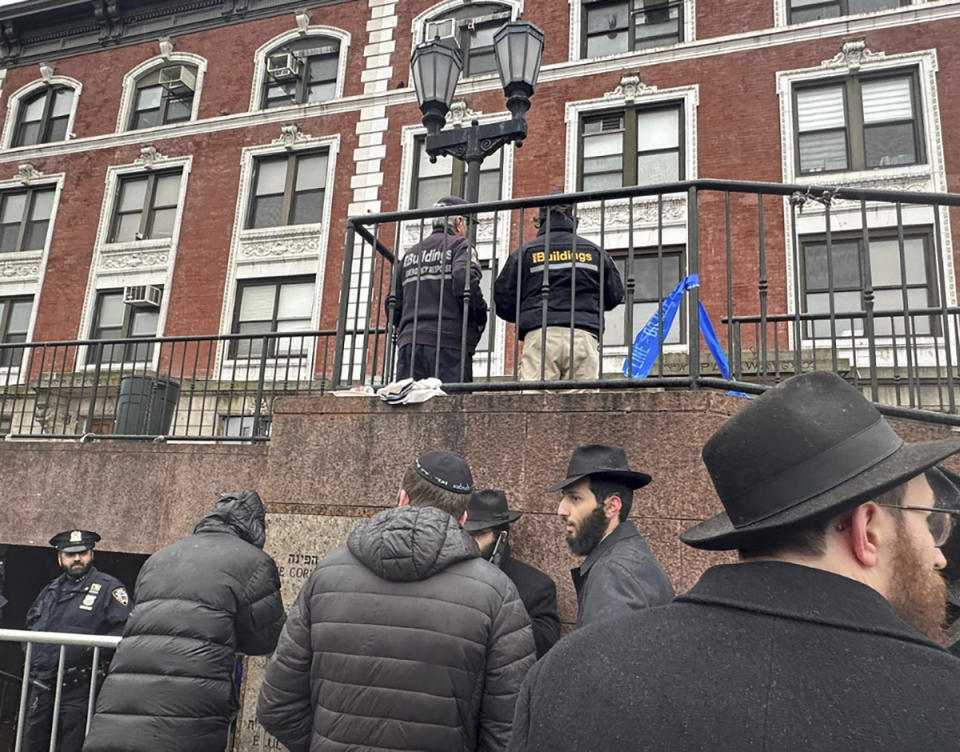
[82,600]
[620,573]
[488,521]
[824,637]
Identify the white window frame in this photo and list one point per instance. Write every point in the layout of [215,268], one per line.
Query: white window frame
[410,232]
[17,98]
[260,64]
[138,262]
[576,29]
[845,215]
[283,251]
[781,14]
[129,96]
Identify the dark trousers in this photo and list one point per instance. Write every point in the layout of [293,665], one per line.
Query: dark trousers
[73,716]
[425,363]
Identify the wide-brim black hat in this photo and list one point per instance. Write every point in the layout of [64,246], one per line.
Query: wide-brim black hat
[810,447]
[488,508]
[601,460]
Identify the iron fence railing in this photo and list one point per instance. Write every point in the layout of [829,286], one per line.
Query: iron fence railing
[186,388]
[794,277]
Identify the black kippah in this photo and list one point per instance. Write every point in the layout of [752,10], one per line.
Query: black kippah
[445,469]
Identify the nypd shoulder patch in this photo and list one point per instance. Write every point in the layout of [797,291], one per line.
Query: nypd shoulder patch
[120,596]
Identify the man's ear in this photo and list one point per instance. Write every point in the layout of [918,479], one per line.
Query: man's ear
[612,506]
[402,498]
[863,534]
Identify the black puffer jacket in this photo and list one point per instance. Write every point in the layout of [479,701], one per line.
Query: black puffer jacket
[570,255]
[198,602]
[403,640]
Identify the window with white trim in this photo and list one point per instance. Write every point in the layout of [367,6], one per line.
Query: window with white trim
[814,10]
[646,296]
[612,26]
[633,146]
[25,218]
[265,306]
[164,95]
[14,323]
[470,28]
[115,319]
[447,177]
[301,71]
[146,206]
[859,122]
[43,117]
[288,189]
[901,278]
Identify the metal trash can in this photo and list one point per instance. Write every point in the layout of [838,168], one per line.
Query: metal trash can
[145,406]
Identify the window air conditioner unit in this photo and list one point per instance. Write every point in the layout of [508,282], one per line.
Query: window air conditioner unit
[283,66]
[178,79]
[143,296]
[447,31]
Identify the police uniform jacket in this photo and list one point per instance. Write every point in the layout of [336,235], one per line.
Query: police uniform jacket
[539,595]
[757,656]
[569,262]
[198,602]
[429,293]
[95,604]
[620,575]
[404,640]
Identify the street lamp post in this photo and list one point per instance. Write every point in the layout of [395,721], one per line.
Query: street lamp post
[518,48]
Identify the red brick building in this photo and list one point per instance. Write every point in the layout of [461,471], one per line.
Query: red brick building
[175,167]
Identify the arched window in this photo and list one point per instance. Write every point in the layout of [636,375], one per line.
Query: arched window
[301,71]
[470,27]
[164,95]
[43,116]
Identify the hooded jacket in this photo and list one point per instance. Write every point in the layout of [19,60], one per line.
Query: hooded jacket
[403,640]
[198,602]
[573,262]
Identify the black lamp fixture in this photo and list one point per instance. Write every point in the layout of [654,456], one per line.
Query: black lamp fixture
[518,49]
[436,71]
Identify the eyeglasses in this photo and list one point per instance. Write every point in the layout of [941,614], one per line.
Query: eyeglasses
[940,521]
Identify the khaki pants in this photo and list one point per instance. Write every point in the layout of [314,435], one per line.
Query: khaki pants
[556,359]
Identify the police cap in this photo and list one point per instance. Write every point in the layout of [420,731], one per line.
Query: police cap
[74,541]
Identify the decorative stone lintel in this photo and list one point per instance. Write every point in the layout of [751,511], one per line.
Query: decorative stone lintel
[149,157]
[280,245]
[290,136]
[852,55]
[20,269]
[166,47]
[460,114]
[630,89]
[303,20]
[133,260]
[27,172]
[46,71]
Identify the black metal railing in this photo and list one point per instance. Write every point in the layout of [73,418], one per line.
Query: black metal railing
[793,278]
[194,388]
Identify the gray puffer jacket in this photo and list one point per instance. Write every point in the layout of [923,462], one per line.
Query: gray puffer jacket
[403,640]
[198,602]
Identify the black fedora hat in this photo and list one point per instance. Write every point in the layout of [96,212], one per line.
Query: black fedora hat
[809,447]
[488,508]
[946,487]
[600,459]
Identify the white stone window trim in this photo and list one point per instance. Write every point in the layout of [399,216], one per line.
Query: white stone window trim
[101,278]
[931,176]
[22,272]
[418,28]
[408,140]
[260,62]
[303,262]
[15,102]
[129,96]
[781,14]
[576,30]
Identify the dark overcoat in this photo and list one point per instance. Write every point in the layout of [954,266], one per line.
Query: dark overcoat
[757,656]
[539,595]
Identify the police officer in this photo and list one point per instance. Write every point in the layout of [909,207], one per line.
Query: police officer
[83,601]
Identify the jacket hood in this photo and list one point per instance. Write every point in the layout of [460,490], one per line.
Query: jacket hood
[407,544]
[558,223]
[239,513]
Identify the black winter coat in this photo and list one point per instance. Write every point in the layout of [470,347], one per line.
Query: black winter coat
[429,290]
[757,656]
[571,257]
[198,602]
[539,595]
[403,640]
